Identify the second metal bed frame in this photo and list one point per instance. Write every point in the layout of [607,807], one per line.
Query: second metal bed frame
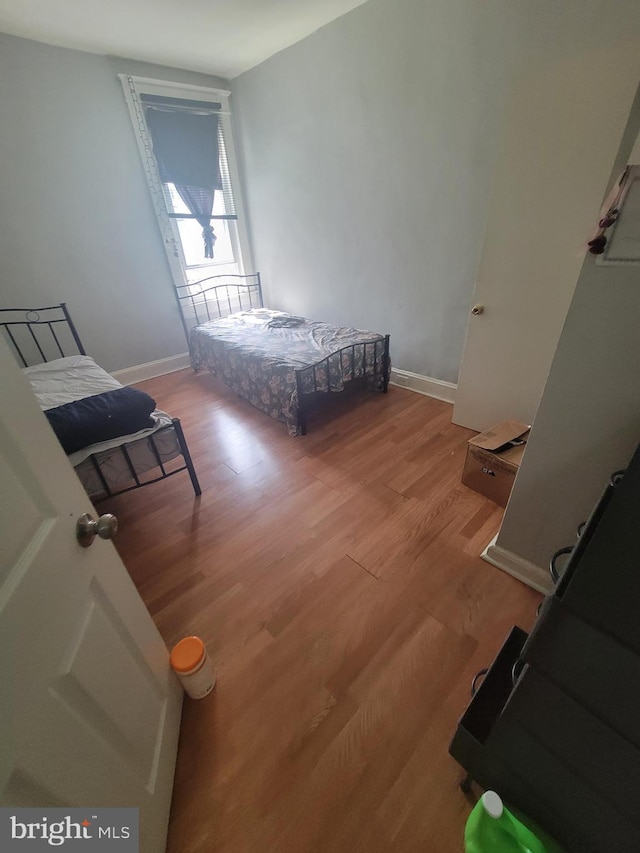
[32,335]
[242,292]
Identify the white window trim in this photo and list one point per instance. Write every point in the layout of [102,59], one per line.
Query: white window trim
[135,86]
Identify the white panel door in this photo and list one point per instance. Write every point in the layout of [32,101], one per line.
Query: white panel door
[90,709]
[554,162]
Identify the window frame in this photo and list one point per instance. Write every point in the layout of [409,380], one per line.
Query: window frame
[134,87]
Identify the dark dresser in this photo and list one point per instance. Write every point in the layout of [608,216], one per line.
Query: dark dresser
[554,726]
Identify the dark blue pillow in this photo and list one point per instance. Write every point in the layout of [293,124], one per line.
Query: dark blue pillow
[101,417]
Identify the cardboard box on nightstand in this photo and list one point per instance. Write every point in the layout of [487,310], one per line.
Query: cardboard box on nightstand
[493,459]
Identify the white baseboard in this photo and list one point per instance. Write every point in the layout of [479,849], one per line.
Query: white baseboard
[517,567]
[151,369]
[437,388]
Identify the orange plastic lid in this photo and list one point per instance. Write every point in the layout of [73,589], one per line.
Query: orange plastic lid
[187,654]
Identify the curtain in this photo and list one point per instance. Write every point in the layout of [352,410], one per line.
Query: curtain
[185,145]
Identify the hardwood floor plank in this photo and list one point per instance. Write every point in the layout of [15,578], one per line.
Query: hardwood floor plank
[336,581]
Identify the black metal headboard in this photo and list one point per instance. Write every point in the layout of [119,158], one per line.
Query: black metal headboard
[218,296]
[40,334]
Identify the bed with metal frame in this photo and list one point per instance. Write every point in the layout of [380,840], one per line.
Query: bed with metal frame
[210,307]
[48,335]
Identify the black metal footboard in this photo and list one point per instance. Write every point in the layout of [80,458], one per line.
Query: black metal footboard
[309,386]
[123,449]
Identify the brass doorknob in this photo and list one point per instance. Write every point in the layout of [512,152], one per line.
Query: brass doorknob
[87,528]
[477,309]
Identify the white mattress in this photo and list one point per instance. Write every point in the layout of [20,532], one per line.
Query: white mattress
[75,377]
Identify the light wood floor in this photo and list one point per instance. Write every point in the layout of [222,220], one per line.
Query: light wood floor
[336,581]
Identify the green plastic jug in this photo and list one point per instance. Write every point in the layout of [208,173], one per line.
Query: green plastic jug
[491,828]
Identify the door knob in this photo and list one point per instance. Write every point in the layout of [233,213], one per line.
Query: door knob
[477,309]
[87,528]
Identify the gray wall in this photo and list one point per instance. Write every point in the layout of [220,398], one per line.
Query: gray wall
[77,220]
[368,153]
[588,422]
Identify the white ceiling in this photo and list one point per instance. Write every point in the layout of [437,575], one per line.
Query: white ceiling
[223,37]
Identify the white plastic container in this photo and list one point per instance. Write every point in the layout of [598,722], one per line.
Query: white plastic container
[191,664]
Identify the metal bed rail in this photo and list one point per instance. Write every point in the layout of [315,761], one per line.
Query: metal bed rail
[32,333]
[175,425]
[201,301]
[308,386]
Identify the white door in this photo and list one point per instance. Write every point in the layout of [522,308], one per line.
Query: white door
[90,709]
[554,161]
[502,374]
[508,352]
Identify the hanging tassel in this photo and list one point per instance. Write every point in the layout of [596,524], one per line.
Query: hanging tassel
[209,238]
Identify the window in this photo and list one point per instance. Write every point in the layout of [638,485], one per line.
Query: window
[183,235]
[192,245]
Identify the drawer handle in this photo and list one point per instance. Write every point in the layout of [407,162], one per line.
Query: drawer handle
[474,683]
[516,671]
[553,571]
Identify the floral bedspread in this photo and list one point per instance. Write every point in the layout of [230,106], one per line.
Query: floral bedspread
[257,353]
